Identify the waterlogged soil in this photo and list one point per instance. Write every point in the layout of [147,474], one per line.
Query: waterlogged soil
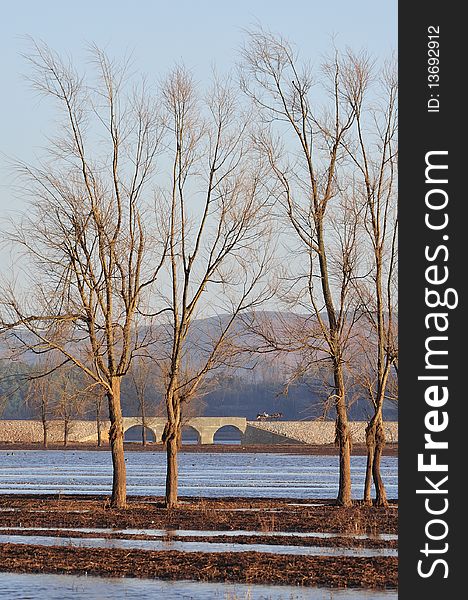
[246,567]
[279,540]
[307,449]
[224,514]
[55,513]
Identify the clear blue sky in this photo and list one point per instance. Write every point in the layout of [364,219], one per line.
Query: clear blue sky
[158,33]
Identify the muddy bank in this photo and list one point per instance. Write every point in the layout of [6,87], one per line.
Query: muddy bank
[214,519]
[276,540]
[225,514]
[316,449]
[248,567]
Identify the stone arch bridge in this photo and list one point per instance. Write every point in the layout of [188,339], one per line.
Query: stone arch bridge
[251,432]
[205,427]
[22,431]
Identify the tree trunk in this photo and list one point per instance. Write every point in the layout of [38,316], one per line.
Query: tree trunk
[45,428]
[172,474]
[370,444]
[143,425]
[171,437]
[98,425]
[65,432]
[343,439]
[99,434]
[375,434]
[119,479]
[342,434]
[375,441]
[380,493]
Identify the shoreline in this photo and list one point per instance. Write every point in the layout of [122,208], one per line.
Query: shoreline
[284,522]
[248,567]
[303,449]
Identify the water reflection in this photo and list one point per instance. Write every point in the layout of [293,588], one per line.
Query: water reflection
[212,533]
[204,474]
[182,546]
[15,586]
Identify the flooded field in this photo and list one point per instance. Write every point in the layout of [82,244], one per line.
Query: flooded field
[207,474]
[15,586]
[182,533]
[183,546]
[250,526]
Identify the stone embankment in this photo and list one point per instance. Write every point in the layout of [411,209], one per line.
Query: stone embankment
[313,432]
[26,432]
[251,432]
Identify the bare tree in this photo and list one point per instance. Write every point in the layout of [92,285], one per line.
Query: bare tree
[40,397]
[367,383]
[218,252]
[374,155]
[304,146]
[90,254]
[143,377]
[71,402]
[98,395]
[55,392]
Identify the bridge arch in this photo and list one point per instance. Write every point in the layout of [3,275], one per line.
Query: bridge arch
[190,434]
[208,426]
[228,434]
[205,427]
[138,433]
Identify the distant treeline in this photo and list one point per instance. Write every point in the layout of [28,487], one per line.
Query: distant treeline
[227,396]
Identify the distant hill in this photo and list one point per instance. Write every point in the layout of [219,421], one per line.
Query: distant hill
[255,383]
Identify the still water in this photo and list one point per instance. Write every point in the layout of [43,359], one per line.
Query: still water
[203,474]
[181,533]
[89,542]
[60,587]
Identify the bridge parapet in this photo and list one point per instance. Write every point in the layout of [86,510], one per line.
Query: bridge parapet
[252,432]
